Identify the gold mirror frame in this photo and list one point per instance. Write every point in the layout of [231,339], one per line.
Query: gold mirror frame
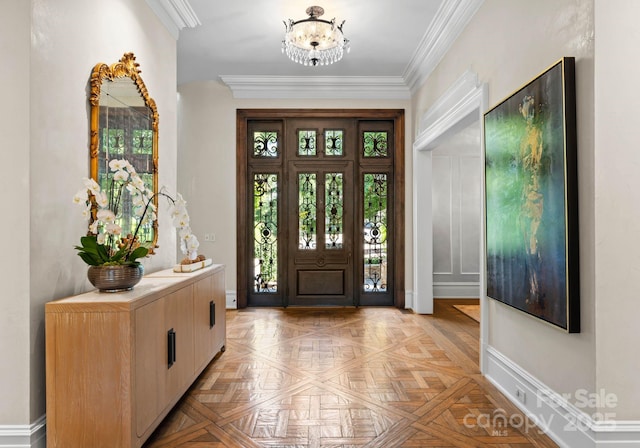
[127,67]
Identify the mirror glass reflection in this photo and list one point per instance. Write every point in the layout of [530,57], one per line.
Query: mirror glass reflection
[124,124]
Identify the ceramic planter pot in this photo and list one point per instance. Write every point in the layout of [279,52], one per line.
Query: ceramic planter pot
[115,278]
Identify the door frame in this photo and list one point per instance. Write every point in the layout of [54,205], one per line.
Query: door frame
[243,116]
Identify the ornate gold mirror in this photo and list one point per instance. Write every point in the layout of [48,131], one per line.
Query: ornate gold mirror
[124,125]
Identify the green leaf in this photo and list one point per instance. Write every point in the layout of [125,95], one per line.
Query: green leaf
[89,245]
[89,241]
[120,254]
[91,252]
[138,253]
[89,259]
[102,252]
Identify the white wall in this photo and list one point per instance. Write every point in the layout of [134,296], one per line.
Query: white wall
[68,38]
[617,203]
[207,164]
[508,43]
[14,183]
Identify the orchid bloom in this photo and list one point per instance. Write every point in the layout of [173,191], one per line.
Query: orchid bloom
[117,164]
[91,185]
[106,216]
[106,224]
[101,199]
[113,229]
[81,197]
[120,175]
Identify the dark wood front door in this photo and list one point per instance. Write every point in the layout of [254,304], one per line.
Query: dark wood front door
[320,253]
[320,208]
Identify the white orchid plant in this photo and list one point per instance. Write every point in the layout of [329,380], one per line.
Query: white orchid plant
[104,243]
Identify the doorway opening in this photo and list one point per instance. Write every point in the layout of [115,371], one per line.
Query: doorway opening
[460,106]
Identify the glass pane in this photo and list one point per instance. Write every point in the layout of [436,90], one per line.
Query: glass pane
[265,144]
[375,144]
[307,143]
[375,232]
[307,226]
[126,133]
[146,230]
[113,141]
[334,210]
[333,143]
[265,225]
[142,141]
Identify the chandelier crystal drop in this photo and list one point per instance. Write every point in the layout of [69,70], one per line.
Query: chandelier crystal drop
[314,41]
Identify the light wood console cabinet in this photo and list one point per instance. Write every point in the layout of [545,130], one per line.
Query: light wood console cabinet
[117,363]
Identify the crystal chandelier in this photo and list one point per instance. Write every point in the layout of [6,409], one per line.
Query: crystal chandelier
[314,41]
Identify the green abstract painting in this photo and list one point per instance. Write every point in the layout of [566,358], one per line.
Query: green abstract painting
[531,199]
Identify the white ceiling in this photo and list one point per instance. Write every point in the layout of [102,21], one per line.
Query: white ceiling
[243,37]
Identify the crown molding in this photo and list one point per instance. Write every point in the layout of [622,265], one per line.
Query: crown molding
[175,15]
[450,20]
[328,87]
[461,93]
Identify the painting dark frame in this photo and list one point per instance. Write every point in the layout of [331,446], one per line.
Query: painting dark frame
[531,199]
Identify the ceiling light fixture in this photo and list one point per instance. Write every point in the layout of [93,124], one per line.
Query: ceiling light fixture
[314,41]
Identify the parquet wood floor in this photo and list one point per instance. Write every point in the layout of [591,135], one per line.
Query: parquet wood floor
[343,377]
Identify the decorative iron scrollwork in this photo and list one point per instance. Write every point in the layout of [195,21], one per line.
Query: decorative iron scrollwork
[265,144]
[333,140]
[307,211]
[375,232]
[265,198]
[307,143]
[334,191]
[375,144]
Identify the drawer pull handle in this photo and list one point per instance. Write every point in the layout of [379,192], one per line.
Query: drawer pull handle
[212,314]
[171,353]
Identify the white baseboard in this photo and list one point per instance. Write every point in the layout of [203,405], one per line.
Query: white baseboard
[561,420]
[24,436]
[456,290]
[232,302]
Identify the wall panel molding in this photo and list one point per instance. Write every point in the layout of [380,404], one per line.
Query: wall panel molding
[476,201]
[456,290]
[443,173]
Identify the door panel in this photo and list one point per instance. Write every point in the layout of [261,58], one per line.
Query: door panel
[321,225]
[318,283]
